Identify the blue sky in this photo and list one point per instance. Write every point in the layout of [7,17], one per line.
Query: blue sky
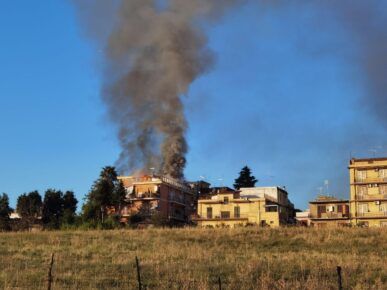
[284,97]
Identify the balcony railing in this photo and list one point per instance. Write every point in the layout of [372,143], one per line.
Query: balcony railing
[330,215]
[371,180]
[371,196]
[144,195]
[177,199]
[372,214]
[218,217]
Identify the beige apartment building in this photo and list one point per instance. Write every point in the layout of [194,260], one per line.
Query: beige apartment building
[328,211]
[263,206]
[368,191]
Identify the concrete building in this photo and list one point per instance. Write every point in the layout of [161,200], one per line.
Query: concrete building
[368,191]
[303,218]
[267,206]
[328,211]
[148,196]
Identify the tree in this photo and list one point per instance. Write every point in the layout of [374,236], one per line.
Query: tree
[5,212]
[245,179]
[119,194]
[29,206]
[52,211]
[69,207]
[107,191]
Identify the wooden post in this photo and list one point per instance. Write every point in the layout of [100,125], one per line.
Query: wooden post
[49,275]
[220,283]
[138,274]
[340,285]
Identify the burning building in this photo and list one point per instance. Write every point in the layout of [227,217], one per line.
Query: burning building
[150,196]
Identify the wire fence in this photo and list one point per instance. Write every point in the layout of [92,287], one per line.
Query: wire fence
[136,281]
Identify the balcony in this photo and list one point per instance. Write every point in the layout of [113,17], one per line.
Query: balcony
[330,215]
[224,218]
[377,214]
[370,180]
[178,199]
[371,197]
[143,196]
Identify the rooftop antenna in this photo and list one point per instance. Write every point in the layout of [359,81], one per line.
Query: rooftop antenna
[152,169]
[326,183]
[221,181]
[320,189]
[374,151]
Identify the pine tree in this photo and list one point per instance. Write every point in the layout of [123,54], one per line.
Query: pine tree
[245,179]
[5,212]
[69,207]
[107,191]
[52,210]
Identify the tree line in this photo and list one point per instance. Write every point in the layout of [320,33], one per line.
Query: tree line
[55,210]
[58,209]
[101,207]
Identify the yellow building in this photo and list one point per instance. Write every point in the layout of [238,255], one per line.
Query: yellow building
[268,206]
[327,211]
[368,191]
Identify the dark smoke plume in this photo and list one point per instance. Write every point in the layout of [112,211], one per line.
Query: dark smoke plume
[153,53]
[367,21]
[154,50]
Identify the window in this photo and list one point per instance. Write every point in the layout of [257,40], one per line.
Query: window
[383,189]
[340,208]
[361,175]
[331,208]
[382,173]
[271,208]
[237,212]
[225,200]
[361,191]
[225,214]
[320,210]
[209,212]
[383,207]
[362,208]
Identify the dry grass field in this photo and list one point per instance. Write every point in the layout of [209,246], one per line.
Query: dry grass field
[245,258]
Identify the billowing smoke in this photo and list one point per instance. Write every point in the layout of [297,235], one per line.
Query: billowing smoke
[367,21]
[154,51]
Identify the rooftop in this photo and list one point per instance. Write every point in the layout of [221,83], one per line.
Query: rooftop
[327,199]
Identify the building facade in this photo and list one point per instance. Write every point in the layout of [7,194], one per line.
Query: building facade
[368,191]
[303,218]
[247,206]
[327,211]
[148,196]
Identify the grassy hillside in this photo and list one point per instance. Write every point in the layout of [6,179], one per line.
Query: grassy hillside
[246,258]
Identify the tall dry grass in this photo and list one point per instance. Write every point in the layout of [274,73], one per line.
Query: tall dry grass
[245,258]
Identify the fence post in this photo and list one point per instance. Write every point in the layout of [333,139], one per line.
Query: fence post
[138,274]
[220,283]
[49,275]
[339,278]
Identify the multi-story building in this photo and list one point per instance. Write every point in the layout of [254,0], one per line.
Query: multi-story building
[259,206]
[327,211]
[148,196]
[368,191]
